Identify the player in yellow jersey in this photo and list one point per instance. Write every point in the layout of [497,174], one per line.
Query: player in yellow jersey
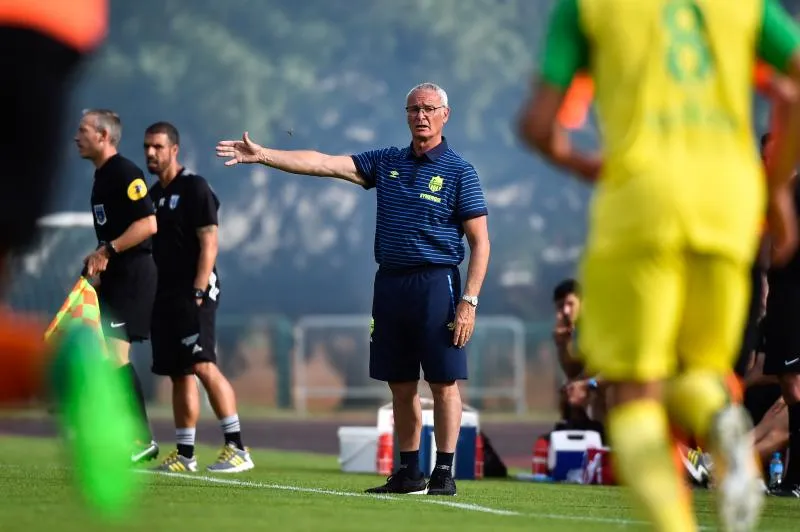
[674,223]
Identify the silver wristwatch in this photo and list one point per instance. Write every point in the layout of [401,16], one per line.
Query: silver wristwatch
[472,300]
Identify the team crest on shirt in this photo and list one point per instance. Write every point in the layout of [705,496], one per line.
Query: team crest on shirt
[100,214]
[173,201]
[436,183]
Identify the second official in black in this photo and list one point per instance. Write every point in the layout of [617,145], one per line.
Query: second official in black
[183,327]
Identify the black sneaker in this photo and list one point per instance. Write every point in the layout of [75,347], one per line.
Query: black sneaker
[441,483]
[785,490]
[401,483]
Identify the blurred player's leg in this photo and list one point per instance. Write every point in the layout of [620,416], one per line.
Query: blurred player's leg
[699,399]
[632,305]
[93,405]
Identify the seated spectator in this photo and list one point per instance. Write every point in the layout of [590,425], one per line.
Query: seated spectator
[582,398]
[582,406]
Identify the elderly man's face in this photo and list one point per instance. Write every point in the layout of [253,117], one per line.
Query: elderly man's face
[426,114]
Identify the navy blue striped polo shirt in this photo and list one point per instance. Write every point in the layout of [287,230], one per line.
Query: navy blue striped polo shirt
[422,202]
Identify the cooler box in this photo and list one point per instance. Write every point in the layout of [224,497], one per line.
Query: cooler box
[565,456]
[467,464]
[358,447]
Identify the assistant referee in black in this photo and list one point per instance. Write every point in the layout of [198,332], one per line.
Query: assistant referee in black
[122,266]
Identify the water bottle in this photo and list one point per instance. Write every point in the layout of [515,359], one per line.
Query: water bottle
[775,470]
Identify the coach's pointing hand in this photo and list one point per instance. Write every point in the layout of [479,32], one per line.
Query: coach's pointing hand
[239,151]
[464,324]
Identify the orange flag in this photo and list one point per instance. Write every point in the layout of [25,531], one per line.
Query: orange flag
[80,304]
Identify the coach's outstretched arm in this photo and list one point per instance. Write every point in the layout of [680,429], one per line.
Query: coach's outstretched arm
[304,162]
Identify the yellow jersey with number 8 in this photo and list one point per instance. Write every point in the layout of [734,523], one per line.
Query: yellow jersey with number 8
[674,97]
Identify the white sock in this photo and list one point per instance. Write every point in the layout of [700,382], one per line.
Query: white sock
[185,437]
[230,424]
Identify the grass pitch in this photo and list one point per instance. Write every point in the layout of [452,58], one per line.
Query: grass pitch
[302,492]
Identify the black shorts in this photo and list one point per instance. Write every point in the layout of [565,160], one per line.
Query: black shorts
[183,334]
[38,76]
[782,329]
[750,337]
[412,312]
[126,294]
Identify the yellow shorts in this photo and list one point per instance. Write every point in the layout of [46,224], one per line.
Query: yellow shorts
[647,312]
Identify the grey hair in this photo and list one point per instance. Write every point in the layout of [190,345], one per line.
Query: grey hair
[428,86]
[107,121]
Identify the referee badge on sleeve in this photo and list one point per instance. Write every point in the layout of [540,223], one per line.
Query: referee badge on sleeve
[137,189]
[100,214]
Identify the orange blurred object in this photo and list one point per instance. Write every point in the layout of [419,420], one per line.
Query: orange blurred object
[575,107]
[735,388]
[763,77]
[81,24]
[23,359]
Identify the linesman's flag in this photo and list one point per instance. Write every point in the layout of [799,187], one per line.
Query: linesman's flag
[94,404]
[82,305]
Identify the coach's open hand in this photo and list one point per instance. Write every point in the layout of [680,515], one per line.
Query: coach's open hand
[464,324]
[96,262]
[239,151]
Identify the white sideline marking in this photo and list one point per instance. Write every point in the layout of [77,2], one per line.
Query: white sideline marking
[460,505]
[319,491]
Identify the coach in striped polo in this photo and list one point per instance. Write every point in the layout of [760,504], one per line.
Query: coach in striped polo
[429,198]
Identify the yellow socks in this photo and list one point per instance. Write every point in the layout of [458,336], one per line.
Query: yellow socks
[643,461]
[694,398]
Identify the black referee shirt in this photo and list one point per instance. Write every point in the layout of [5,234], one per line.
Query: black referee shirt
[119,198]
